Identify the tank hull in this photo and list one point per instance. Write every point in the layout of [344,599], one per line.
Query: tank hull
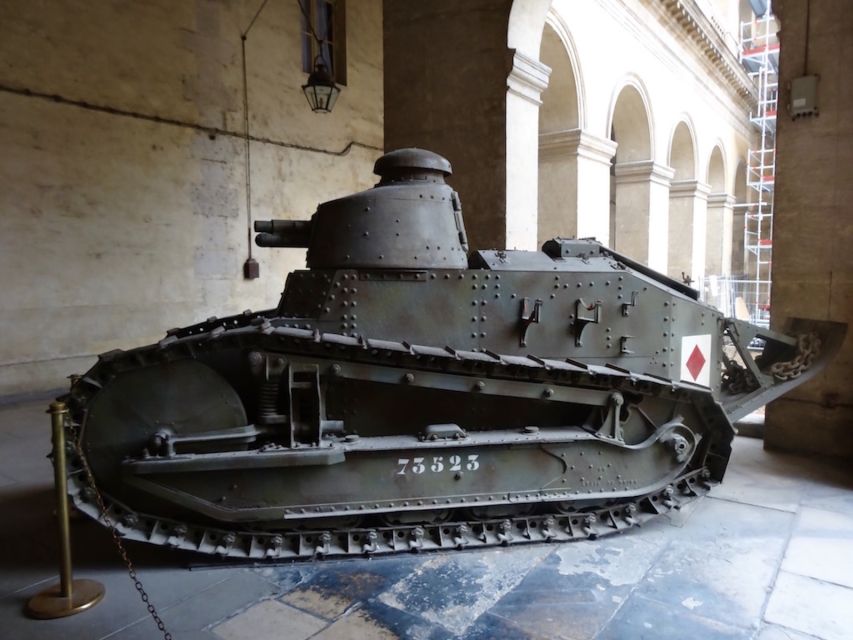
[407,395]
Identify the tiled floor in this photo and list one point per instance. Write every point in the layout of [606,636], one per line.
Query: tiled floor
[769,555]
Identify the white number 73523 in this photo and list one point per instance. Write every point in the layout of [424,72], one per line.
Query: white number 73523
[437,464]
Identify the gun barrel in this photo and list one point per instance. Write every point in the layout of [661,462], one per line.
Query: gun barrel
[283,233]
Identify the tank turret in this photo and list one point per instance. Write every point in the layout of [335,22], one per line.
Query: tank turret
[411,219]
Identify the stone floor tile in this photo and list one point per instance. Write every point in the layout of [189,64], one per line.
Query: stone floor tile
[755,476]
[811,606]
[643,619]
[722,564]
[822,547]
[167,582]
[775,632]
[831,499]
[490,626]
[120,608]
[288,576]
[270,620]
[205,608]
[401,623]
[336,586]
[579,586]
[453,590]
[325,605]
[357,625]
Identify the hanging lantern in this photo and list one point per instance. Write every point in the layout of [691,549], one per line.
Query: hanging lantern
[321,90]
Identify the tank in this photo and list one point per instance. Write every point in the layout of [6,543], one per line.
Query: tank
[408,394]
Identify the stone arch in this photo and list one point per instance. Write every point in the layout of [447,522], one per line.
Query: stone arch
[716,175]
[524,27]
[638,185]
[630,122]
[561,118]
[685,243]
[564,98]
[720,215]
[683,154]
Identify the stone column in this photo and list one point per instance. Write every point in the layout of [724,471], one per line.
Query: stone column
[641,217]
[718,257]
[574,185]
[738,227]
[527,79]
[688,207]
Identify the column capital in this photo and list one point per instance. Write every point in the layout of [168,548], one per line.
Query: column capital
[643,171]
[528,78]
[689,189]
[577,142]
[721,200]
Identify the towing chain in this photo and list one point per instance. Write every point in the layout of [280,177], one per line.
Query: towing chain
[808,348]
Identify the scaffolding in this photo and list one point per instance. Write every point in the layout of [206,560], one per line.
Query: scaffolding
[760,56]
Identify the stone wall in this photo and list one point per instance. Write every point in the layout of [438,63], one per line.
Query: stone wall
[122,201]
[813,227]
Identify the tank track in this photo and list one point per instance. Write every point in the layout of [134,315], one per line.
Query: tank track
[461,531]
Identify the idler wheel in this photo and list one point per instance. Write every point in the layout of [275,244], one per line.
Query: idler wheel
[139,410]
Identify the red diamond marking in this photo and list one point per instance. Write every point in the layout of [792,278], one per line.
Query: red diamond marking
[696,362]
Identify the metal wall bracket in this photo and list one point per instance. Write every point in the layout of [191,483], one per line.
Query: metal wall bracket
[583,317]
[626,306]
[528,317]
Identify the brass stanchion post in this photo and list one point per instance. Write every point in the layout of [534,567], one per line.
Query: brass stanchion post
[69,596]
